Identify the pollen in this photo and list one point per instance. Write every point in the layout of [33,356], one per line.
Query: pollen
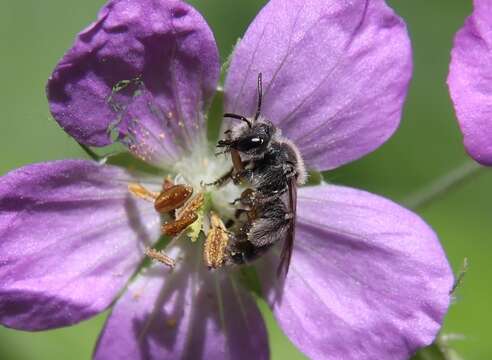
[189,210]
[185,216]
[160,256]
[172,198]
[214,250]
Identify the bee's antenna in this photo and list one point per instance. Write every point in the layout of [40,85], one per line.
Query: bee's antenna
[238,117]
[260,95]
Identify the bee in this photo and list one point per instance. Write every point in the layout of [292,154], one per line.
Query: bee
[272,167]
[268,222]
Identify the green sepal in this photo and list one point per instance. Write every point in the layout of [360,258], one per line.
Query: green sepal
[314,178]
[439,350]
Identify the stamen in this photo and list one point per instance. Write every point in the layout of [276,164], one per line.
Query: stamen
[172,198]
[173,228]
[215,245]
[193,205]
[185,217]
[160,256]
[142,193]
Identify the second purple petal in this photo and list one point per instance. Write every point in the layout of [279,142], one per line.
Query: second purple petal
[335,75]
[144,73]
[184,314]
[470,81]
[368,278]
[71,236]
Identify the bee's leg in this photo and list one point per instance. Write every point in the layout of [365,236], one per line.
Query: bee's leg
[241,215]
[244,252]
[223,179]
[289,170]
[247,198]
[242,175]
[222,152]
[231,174]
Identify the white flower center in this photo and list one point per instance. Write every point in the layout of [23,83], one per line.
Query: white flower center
[203,167]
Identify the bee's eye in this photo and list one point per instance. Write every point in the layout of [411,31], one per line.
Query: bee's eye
[250,143]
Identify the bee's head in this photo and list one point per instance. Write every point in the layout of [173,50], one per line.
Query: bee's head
[253,139]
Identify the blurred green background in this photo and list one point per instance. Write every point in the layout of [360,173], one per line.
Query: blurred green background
[34,35]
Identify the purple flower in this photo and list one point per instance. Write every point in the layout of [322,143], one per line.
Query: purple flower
[470,84]
[368,279]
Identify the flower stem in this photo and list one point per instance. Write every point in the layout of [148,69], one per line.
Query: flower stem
[90,152]
[443,185]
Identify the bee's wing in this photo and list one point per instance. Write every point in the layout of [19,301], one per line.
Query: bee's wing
[286,254]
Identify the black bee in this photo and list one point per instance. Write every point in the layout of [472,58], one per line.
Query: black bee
[273,168]
[266,223]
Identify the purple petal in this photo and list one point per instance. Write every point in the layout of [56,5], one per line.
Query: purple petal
[184,314]
[71,235]
[163,58]
[368,278]
[470,81]
[335,75]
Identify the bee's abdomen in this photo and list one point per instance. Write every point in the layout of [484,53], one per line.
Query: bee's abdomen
[245,252]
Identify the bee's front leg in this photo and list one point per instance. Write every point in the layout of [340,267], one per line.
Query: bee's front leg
[242,175]
[223,179]
[234,174]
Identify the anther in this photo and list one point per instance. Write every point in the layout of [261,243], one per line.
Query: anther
[214,250]
[186,216]
[172,198]
[174,227]
[160,256]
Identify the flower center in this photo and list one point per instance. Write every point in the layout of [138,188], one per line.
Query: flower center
[193,208]
[201,168]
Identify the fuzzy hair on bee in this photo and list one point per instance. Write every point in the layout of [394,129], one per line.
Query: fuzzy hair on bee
[272,167]
[267,224]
